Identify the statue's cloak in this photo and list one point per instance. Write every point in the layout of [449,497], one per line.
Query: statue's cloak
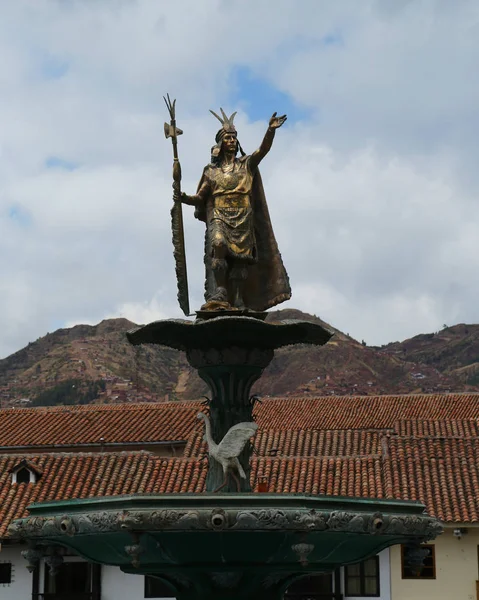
[268,282]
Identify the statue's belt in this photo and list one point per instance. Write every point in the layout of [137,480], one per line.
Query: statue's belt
[232,202]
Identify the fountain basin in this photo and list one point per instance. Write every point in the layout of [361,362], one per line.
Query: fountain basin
[202,545]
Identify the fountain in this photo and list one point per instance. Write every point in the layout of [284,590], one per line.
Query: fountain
[234,543]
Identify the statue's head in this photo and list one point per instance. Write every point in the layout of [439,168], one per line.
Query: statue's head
[226,139]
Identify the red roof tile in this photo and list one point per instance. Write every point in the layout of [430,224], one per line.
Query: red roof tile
[439,428]
[28,464]
[172,421]
[362,412]
[74,476]
[334,476]
[408,447]
[442,473]
[336,443]
[115,423]
[85,475]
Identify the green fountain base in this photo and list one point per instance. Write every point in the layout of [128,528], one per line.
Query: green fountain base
[230,545]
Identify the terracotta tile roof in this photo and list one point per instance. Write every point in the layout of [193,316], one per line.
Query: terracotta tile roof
[84,475]
[75,476]
[409,447]
[336,443]
[172,421]
[334,476]
[182,475]
[440,428]
[363,412]
[29,464]
[442,473]
[70,425]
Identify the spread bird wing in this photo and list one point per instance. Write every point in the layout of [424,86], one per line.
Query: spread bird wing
[236,438]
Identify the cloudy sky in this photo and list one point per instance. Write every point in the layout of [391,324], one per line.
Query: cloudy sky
[372,183]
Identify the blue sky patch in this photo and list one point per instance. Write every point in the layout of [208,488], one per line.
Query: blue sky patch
[55,162]
[19,215]
[259,98]
[56,324]
[333,39]
[53,67]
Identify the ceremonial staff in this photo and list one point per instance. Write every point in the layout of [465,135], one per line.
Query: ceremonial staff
[172,131]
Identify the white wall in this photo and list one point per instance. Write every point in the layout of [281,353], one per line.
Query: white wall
[384,578]
[457,570]
[116,585]
[21,586]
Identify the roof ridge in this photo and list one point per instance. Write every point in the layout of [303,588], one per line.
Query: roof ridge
[30,455]
[280,430]
[438,420]
[398,436]
[372,396]
[79,408]
[168,404]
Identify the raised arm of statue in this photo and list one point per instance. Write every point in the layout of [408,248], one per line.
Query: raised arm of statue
[258,155]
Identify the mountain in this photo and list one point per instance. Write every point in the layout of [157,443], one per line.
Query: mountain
[454,351]
[95,363]
[83,355]
[346,367]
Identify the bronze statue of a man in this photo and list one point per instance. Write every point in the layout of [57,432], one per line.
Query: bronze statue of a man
[244,269]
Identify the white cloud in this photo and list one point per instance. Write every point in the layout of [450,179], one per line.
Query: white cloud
[138,312]
[372,199]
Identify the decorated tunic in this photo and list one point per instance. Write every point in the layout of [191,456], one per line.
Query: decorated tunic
[230,213]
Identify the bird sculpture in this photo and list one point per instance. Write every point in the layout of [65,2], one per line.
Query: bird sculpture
[227,451]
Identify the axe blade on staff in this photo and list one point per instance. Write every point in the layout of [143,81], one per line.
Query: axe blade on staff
[171,131]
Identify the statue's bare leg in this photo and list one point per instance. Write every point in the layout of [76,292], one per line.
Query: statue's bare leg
[238,276]
[220,271]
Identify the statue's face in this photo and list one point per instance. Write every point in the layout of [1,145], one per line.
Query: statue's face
[230,143]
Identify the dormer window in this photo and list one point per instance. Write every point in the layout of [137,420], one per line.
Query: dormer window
[23,475]
[25,472]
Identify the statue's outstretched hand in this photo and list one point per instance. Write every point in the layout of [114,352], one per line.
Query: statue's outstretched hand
[276,122]
[191,200]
